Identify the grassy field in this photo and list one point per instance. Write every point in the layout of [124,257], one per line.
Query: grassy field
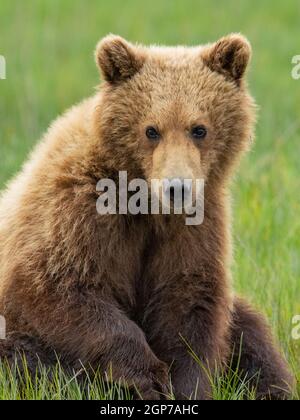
[48,46]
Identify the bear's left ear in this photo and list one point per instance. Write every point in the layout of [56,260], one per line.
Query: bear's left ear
[117,59]
[228,56]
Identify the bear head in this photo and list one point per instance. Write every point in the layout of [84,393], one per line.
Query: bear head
[175,112]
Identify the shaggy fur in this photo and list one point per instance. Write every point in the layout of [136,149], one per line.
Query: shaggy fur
[122,289]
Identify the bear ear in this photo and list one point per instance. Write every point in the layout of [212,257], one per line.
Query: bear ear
[228,56]
[117,59]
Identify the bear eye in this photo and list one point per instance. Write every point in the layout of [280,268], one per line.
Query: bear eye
[199,132]
[152,133]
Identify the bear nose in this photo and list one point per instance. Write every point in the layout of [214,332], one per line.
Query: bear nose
[176,187]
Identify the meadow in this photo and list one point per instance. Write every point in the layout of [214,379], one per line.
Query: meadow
[48,46]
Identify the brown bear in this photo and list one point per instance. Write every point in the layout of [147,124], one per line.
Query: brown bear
[126,291]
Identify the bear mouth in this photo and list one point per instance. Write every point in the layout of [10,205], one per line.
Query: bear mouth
[175,196]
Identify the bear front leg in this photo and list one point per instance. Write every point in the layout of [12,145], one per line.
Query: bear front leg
[188,302]
[189,317]
[85,327]
[256,355]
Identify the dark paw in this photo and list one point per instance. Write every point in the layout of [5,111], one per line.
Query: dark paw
[153,383]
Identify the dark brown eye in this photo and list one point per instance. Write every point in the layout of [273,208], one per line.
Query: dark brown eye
[199,132]
[152,133]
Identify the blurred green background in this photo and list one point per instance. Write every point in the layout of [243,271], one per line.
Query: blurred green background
[48,46]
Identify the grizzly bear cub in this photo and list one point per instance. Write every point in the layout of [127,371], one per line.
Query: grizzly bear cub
[132,292]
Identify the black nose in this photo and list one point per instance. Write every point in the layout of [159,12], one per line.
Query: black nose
[177,188]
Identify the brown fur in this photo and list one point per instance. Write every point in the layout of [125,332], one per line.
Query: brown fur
[121,289]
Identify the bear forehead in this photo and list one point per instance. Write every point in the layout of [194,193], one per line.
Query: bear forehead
[168,87]
[179,72]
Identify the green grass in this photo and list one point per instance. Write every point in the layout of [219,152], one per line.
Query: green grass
[55,384]
[49,46]
[17,383]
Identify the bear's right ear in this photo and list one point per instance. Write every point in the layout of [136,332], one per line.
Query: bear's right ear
[117,59]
